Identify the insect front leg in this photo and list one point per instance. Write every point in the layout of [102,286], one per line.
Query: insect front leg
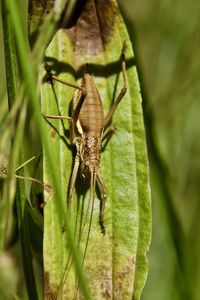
[108,117]
[103,201]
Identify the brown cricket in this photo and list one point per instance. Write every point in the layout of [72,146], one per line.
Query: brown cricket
[87,132]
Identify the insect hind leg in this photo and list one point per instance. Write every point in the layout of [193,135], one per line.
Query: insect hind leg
[102,203]
[72,182]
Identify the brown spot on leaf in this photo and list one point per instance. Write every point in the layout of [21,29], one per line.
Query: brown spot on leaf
[50,291]
[87,31]
[106,11]
[106,295]
[125,279]
[93,27]
[106,283]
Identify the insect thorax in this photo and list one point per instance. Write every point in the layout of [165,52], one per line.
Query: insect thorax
[90,153]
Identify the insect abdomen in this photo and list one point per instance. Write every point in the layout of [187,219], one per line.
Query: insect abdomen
[91,115]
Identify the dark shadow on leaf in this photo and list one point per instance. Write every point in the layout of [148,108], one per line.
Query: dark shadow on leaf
[94,69]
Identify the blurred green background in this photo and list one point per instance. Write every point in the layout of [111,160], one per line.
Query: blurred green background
[166,39]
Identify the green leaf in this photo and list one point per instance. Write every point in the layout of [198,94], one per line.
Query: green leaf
[115,264]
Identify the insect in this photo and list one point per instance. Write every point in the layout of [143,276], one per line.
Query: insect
[88,129]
